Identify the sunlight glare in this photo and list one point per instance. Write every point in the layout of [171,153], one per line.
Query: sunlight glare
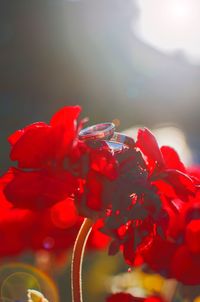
[169,26]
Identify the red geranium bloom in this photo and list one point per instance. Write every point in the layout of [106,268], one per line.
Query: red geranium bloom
[39,145]
[53,229]
[167,172]
[130,190]
[38,190]
[123,297]
[44,152]
[129,298]
[177,254]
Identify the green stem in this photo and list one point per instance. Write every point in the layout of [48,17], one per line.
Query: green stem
[77,259]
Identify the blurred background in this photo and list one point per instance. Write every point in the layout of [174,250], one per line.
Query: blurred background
[137,61]
[133,61]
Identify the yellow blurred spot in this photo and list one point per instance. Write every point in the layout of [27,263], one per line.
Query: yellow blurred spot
[197,299]
[153,283]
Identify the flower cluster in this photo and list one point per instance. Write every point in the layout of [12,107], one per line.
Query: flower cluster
[37,207]
[143,197]
[129,298]
[179,250]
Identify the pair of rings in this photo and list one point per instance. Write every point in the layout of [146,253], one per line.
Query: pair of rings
[106,132]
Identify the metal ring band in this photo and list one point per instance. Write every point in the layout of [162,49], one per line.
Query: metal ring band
[103,131]
[123,139]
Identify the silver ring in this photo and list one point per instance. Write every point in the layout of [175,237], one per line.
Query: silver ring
[122,139]
[103,131]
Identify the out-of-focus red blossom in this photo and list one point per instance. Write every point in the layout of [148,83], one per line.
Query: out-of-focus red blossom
[125,297]
[41,188]
[53,229]
[179,251]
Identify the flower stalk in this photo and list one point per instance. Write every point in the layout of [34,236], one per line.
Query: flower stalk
[77,259]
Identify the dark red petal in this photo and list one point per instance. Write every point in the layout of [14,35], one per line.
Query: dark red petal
[159,255]
[192,236]
[171,158]
[104,162]
[147,143]
[38,190]
[64,124]
[181,183]
[129,250]
[119,297]
[186,266]
[94,189]
[34,148]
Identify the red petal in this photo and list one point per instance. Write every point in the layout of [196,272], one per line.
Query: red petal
[192,236]
[94,189]
[104,162]
[15,226]
[13,138]
[4,180]
[65,115]
[159,255]
[171,158]
[64,123]
[40,189]
[155,299]
[186,266]
[97,239]
[119,297]
[147,143]
[181,183]
[64,214]
[34,148]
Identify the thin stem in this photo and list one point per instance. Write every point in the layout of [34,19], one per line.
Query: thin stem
[77,259]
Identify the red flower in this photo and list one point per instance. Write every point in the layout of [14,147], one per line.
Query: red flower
[134,191]
[99,170]
[123,297]
[129,298]
[40,189]
[53,229]
[167,172]
[186,266]
[45,156]
[147,143]
[39,144]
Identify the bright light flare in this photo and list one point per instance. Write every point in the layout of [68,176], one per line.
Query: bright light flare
[170,25]
[180,10]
